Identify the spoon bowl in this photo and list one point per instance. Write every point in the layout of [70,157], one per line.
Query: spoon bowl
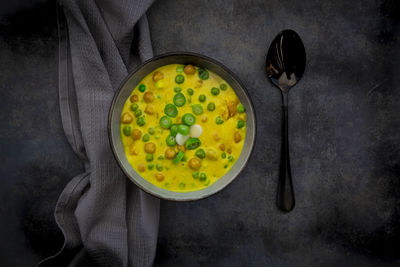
[285,65]
[287,56]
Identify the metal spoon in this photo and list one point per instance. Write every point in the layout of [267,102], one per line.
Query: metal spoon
[286,61]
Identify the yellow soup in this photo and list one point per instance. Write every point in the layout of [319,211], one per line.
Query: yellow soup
[182,128]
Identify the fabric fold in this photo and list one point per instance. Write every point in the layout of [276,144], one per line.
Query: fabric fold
[106,220]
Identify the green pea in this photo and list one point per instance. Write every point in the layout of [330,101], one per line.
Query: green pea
[165,122]
[203,73]
[177,89]
[183,129]
[173,130]
[179,69]
[225,166]
[170,140]
[146,137]
[127,130]
[182,185]
[219,120]
[150,166]
[200,153]
[214,91]
[223,87]
[230,158]
[179,99]
[188,119]
[240,124]
[134,107]
[192,143]
[211,106]
[170,110]
[202,98]
[190,91]
[197,109]
[142,88]
[159,167]
[179,78]
[203,176]
[161,157]
[151,131]
[240,108]
[223,155]
[195,175]
[138,113]
[140,121]
[149,157]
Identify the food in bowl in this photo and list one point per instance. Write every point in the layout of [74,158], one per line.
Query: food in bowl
[182,128]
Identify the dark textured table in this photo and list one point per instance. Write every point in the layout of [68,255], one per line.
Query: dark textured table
[344,135]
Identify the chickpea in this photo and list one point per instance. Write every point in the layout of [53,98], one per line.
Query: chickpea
[170,153]
[141,167]
[211,154]
[134,98]
[237,137]
[204,118]
[229,150]
[158,75]
[222,147]
[231,107]
[126,118]
[133,150]
[216,136]
[182,148]
[136,134]
[194,163]
[159,176]
[148,97]
[149,109]
[189,69]
[150,147]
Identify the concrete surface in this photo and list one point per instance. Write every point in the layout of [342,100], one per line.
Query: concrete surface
[344,136]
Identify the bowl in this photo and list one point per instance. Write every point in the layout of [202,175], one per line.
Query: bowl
[124,92]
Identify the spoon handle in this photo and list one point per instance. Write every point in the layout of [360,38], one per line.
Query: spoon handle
[285,198]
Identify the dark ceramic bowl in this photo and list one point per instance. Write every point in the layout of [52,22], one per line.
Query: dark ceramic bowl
[125,90]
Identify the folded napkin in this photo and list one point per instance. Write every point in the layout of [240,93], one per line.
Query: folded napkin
[106,220]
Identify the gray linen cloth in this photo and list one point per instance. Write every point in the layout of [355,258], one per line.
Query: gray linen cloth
[106,220]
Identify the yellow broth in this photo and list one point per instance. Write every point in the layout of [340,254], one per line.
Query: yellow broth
[219,141]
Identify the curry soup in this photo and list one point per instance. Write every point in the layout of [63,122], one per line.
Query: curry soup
[182,128]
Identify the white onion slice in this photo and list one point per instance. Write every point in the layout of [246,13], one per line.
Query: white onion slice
[195,130]
[181,139]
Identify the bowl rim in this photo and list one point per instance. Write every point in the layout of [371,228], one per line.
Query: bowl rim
[136,69]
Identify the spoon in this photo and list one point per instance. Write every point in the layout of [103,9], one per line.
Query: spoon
[286,61]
